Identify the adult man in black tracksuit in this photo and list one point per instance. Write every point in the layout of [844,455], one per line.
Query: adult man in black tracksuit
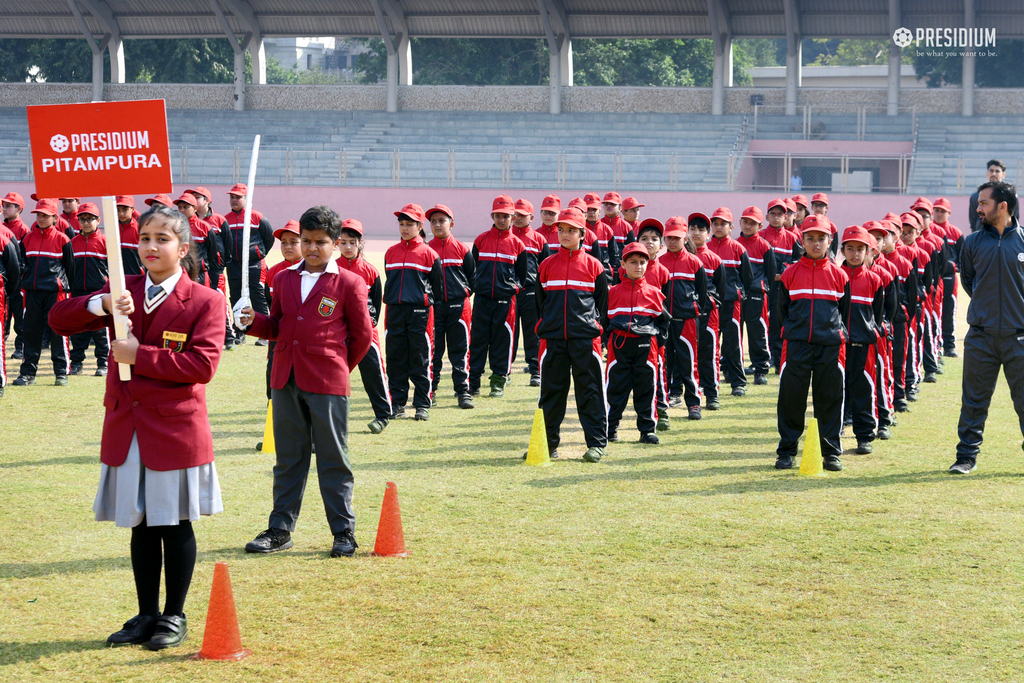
[992,273]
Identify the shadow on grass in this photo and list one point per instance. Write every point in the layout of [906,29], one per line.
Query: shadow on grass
[14,653]
[664,473]
[70,460]
[791,482]
[402,465]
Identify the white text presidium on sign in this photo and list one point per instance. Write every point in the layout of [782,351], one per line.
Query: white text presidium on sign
[80,144]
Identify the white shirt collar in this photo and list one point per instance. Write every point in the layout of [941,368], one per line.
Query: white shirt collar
[332,267]
[151,304]
[167,284]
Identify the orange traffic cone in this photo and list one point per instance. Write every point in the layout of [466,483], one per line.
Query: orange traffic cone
[390,539]
[221,639]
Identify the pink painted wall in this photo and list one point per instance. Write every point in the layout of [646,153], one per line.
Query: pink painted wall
[375,207]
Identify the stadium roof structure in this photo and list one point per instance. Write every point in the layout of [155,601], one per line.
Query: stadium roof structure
[106,23]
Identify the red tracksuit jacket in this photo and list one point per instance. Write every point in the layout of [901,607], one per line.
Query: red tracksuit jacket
[812,300]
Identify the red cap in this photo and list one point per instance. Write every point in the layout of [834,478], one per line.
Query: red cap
[911,218]
[892,217]
[551,203]
[613,197]
[349,224]
[125,200]
[439,207]
[816,224]
[677,226]
[754,214]
[855,233]
[790,205]
[922,203]
[689,219]
[577,203]
[820,197]
[292,226]
[801,200]
[524,207]
[15,198]
[413,211]
[592,200]
[201,192]
[89,208]
[653,223]
[33,197]
[188,198]
[943,203]
[47,206]
[631,203]
[239,189]
[503,204]
[634,248]
[876,226]
[779,202]
[722,212]
[160,199]
[891,226]
[572,217]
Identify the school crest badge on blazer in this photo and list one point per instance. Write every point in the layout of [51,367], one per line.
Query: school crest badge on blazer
[175,341]
[327,306]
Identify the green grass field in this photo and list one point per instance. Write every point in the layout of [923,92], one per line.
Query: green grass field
[690,561]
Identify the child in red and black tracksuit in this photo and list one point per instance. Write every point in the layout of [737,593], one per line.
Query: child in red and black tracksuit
[755,305]
[708,349]
[452,312]
[786,246]
[687,301]
[217,252]
[631,213]
[636,318]
[657,276]
[862,318]
[884,374]
[954,244]
[128,234]
[935,244]
[603,245]
[10,294]
[738,281]
[572,295]
[90,251]
[526,305]
[289,237]
[550,207]
[906,309]
[186,205]
[46,253]
[371,367]
[13,205]
[501,269]
[622,231]
[919,254]
[814,293]
[413,275]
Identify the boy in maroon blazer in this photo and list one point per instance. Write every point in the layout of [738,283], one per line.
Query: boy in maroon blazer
[320,320]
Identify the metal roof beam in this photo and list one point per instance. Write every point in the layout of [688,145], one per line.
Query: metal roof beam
[244,13]
[721,33]
[794,55]
[102,13]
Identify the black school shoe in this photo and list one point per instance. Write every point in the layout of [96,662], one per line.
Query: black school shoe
[270,541]
[784,462]
[171,631]
[832,463]
[136,631]
[344,544]
[962,466]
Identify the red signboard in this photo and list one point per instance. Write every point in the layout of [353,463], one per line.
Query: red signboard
[100,148]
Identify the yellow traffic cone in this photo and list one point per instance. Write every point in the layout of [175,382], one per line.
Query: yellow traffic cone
[538,455]
[268,445]
[810,463]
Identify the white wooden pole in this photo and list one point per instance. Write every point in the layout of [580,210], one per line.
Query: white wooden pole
[243,299]
[115,271]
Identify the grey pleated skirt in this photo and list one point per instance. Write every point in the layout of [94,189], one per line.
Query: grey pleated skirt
[131,490]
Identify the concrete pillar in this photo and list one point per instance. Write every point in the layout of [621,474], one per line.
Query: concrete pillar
[392,82]
[97,73]
[893,99]
[721,75]
[967,82]
[555,81]
[258,57]
[794,77]
[565,55]
[404,50]
[116,48]
[239,78]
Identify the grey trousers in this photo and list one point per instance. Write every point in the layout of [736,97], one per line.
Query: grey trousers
[984,354]
[301,418]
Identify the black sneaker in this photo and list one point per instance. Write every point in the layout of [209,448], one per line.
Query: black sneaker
[713,404]
[749,370]
[553,454]
[24,381]
[650,438]
[962,466]
[466,402]
[929,378]
[832,463]
[664,424]
[422,414]
[261,342]
[693,413]
[270,541]
[76,369]
[101,371]
[784,462]
[171,631]
[399,413]
[594,454]
[760,379]
[60,381]
[883,434]
[613,434]
[136,631]
[535,380]
[18,355]
[951,353]
[344,544]
[901,406]
[739,391]
[378,425]
[864,447]
[675,401]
